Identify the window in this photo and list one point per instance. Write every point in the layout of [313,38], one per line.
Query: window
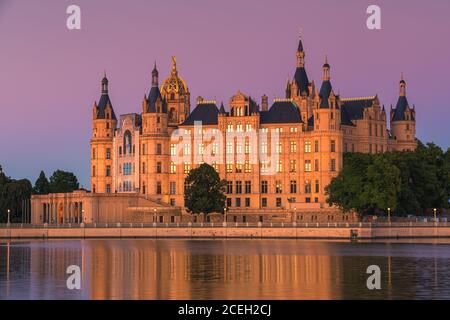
[316,146]
[279,166]
[293,166]
[187,149]
[230,147]
[158,149]
[94,171]
[229,167]
[263,147]
[127,145]
[264,167]
[144,167]
[248,187]
[247,167]
[158,167]
[293,186]
[173,168]
[248,127]
[229,187]
[307,146]
[108,188]
[228,202]
[307,186]
[108,171]
[333,165]
[307,165]
[279,148]
[172,187]
[316,165]
[230,127]
[317,186]
[238,202]
[264,187]
[239,148]
[278,187]
[293,147]
[248,148]
[238,187]
[247,202]
[94,153]
[333,146]
[264,202]
[239,127]
[278,201]
[187,167]
[158,188]
[239,166]
[108,154]
[144,148]
[215,149]
[173,150]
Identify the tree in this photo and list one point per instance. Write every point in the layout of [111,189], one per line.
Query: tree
[205,192]
[13,193]
[42,186]
[63,182]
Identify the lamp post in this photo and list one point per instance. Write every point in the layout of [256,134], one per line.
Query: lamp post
[389,215]
[435,214]
[154,215]
[9,213]
[295,215]
[225,211]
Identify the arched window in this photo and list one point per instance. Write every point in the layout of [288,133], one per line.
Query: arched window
[127,143]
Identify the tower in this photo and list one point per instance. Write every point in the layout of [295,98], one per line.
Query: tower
[154,158]
[403,122]
[176,93]
[104,123]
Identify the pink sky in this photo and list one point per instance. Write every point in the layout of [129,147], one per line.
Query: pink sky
[50,76]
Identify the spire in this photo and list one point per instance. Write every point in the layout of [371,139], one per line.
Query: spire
[288,89]
[300,54]
[326,70]
[174,65]
[222,109]
[402,86]
[105,84]
[155,75]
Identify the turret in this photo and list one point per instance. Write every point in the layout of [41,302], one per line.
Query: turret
[403,121]
[103,127]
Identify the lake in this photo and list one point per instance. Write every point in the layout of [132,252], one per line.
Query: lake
[224,269]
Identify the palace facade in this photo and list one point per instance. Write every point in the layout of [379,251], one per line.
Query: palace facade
[277,159]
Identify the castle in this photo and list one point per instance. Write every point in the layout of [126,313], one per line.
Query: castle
[136,156]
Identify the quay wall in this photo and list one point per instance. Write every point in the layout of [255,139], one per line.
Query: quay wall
[230,232]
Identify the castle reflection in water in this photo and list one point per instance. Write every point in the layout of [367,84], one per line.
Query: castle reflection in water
[219,270]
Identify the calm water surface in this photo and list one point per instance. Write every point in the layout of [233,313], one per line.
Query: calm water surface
[223,269]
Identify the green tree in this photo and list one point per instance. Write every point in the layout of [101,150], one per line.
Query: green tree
[42,185]
[13,193]
[205,191]
[63,182]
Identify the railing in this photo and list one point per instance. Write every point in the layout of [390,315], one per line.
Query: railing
[230,225]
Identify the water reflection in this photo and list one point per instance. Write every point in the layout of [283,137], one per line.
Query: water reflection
[219,269]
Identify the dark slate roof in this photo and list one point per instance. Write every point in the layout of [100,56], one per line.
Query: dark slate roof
[345,118]
[153,96]
[311,121]
[104,100]
[355,107]
[205,112]
[300,46]
[301,78]
[324,94]
[282,112]
[399,111]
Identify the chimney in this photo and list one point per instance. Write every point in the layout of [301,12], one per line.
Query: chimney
[264,103]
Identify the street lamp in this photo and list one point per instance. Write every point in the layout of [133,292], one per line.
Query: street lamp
[154,215]
[435,214]
[389,214]
[9,213]
[225,210]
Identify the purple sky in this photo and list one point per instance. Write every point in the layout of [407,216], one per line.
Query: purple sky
[50,76]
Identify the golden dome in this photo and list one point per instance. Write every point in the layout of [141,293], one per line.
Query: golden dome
[174,84]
